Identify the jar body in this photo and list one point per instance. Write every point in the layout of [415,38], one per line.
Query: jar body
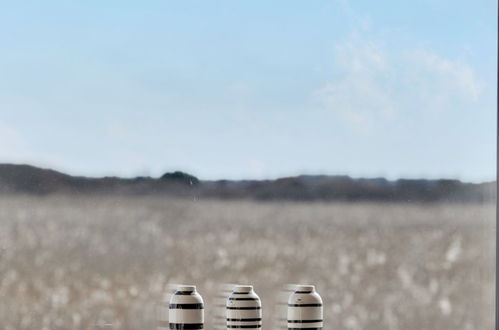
[186,309]
[305,309]
[244,309]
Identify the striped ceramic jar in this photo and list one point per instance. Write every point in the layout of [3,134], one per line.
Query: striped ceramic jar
[244,309]
[305,309]
[186,310]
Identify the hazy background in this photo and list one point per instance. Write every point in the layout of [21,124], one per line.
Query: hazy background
[254,90]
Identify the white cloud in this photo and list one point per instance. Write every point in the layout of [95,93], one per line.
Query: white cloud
[373,85]
[360,94]
[356,98]
[448,77]
[361,56]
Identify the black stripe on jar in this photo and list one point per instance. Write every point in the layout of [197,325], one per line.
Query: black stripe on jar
[184,293]
[186,306]
[245,320]
[181,326]
[304,305]
[245,308]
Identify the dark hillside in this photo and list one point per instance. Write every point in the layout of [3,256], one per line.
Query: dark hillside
[26,179]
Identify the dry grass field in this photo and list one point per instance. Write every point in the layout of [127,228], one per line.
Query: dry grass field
[104,262]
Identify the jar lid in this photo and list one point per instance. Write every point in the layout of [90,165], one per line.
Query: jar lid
[305,288]
[186,288]
[243,288]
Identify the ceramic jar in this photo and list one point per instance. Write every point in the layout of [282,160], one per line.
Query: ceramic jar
[305,309]
[186,310]
[244,309]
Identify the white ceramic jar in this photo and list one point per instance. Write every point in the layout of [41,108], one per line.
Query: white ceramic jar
[186,310]
[305,309]
[244,309]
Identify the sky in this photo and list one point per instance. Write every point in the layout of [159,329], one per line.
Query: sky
[250,89]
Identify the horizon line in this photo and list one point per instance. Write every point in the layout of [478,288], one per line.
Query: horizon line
[272,178]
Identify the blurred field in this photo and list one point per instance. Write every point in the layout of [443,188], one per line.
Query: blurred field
[104,262]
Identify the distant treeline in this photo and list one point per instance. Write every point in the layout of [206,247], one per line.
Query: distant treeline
[26,179]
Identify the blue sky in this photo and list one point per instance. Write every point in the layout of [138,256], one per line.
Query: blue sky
[250,89]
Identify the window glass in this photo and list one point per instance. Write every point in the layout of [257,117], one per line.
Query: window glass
[345,145]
